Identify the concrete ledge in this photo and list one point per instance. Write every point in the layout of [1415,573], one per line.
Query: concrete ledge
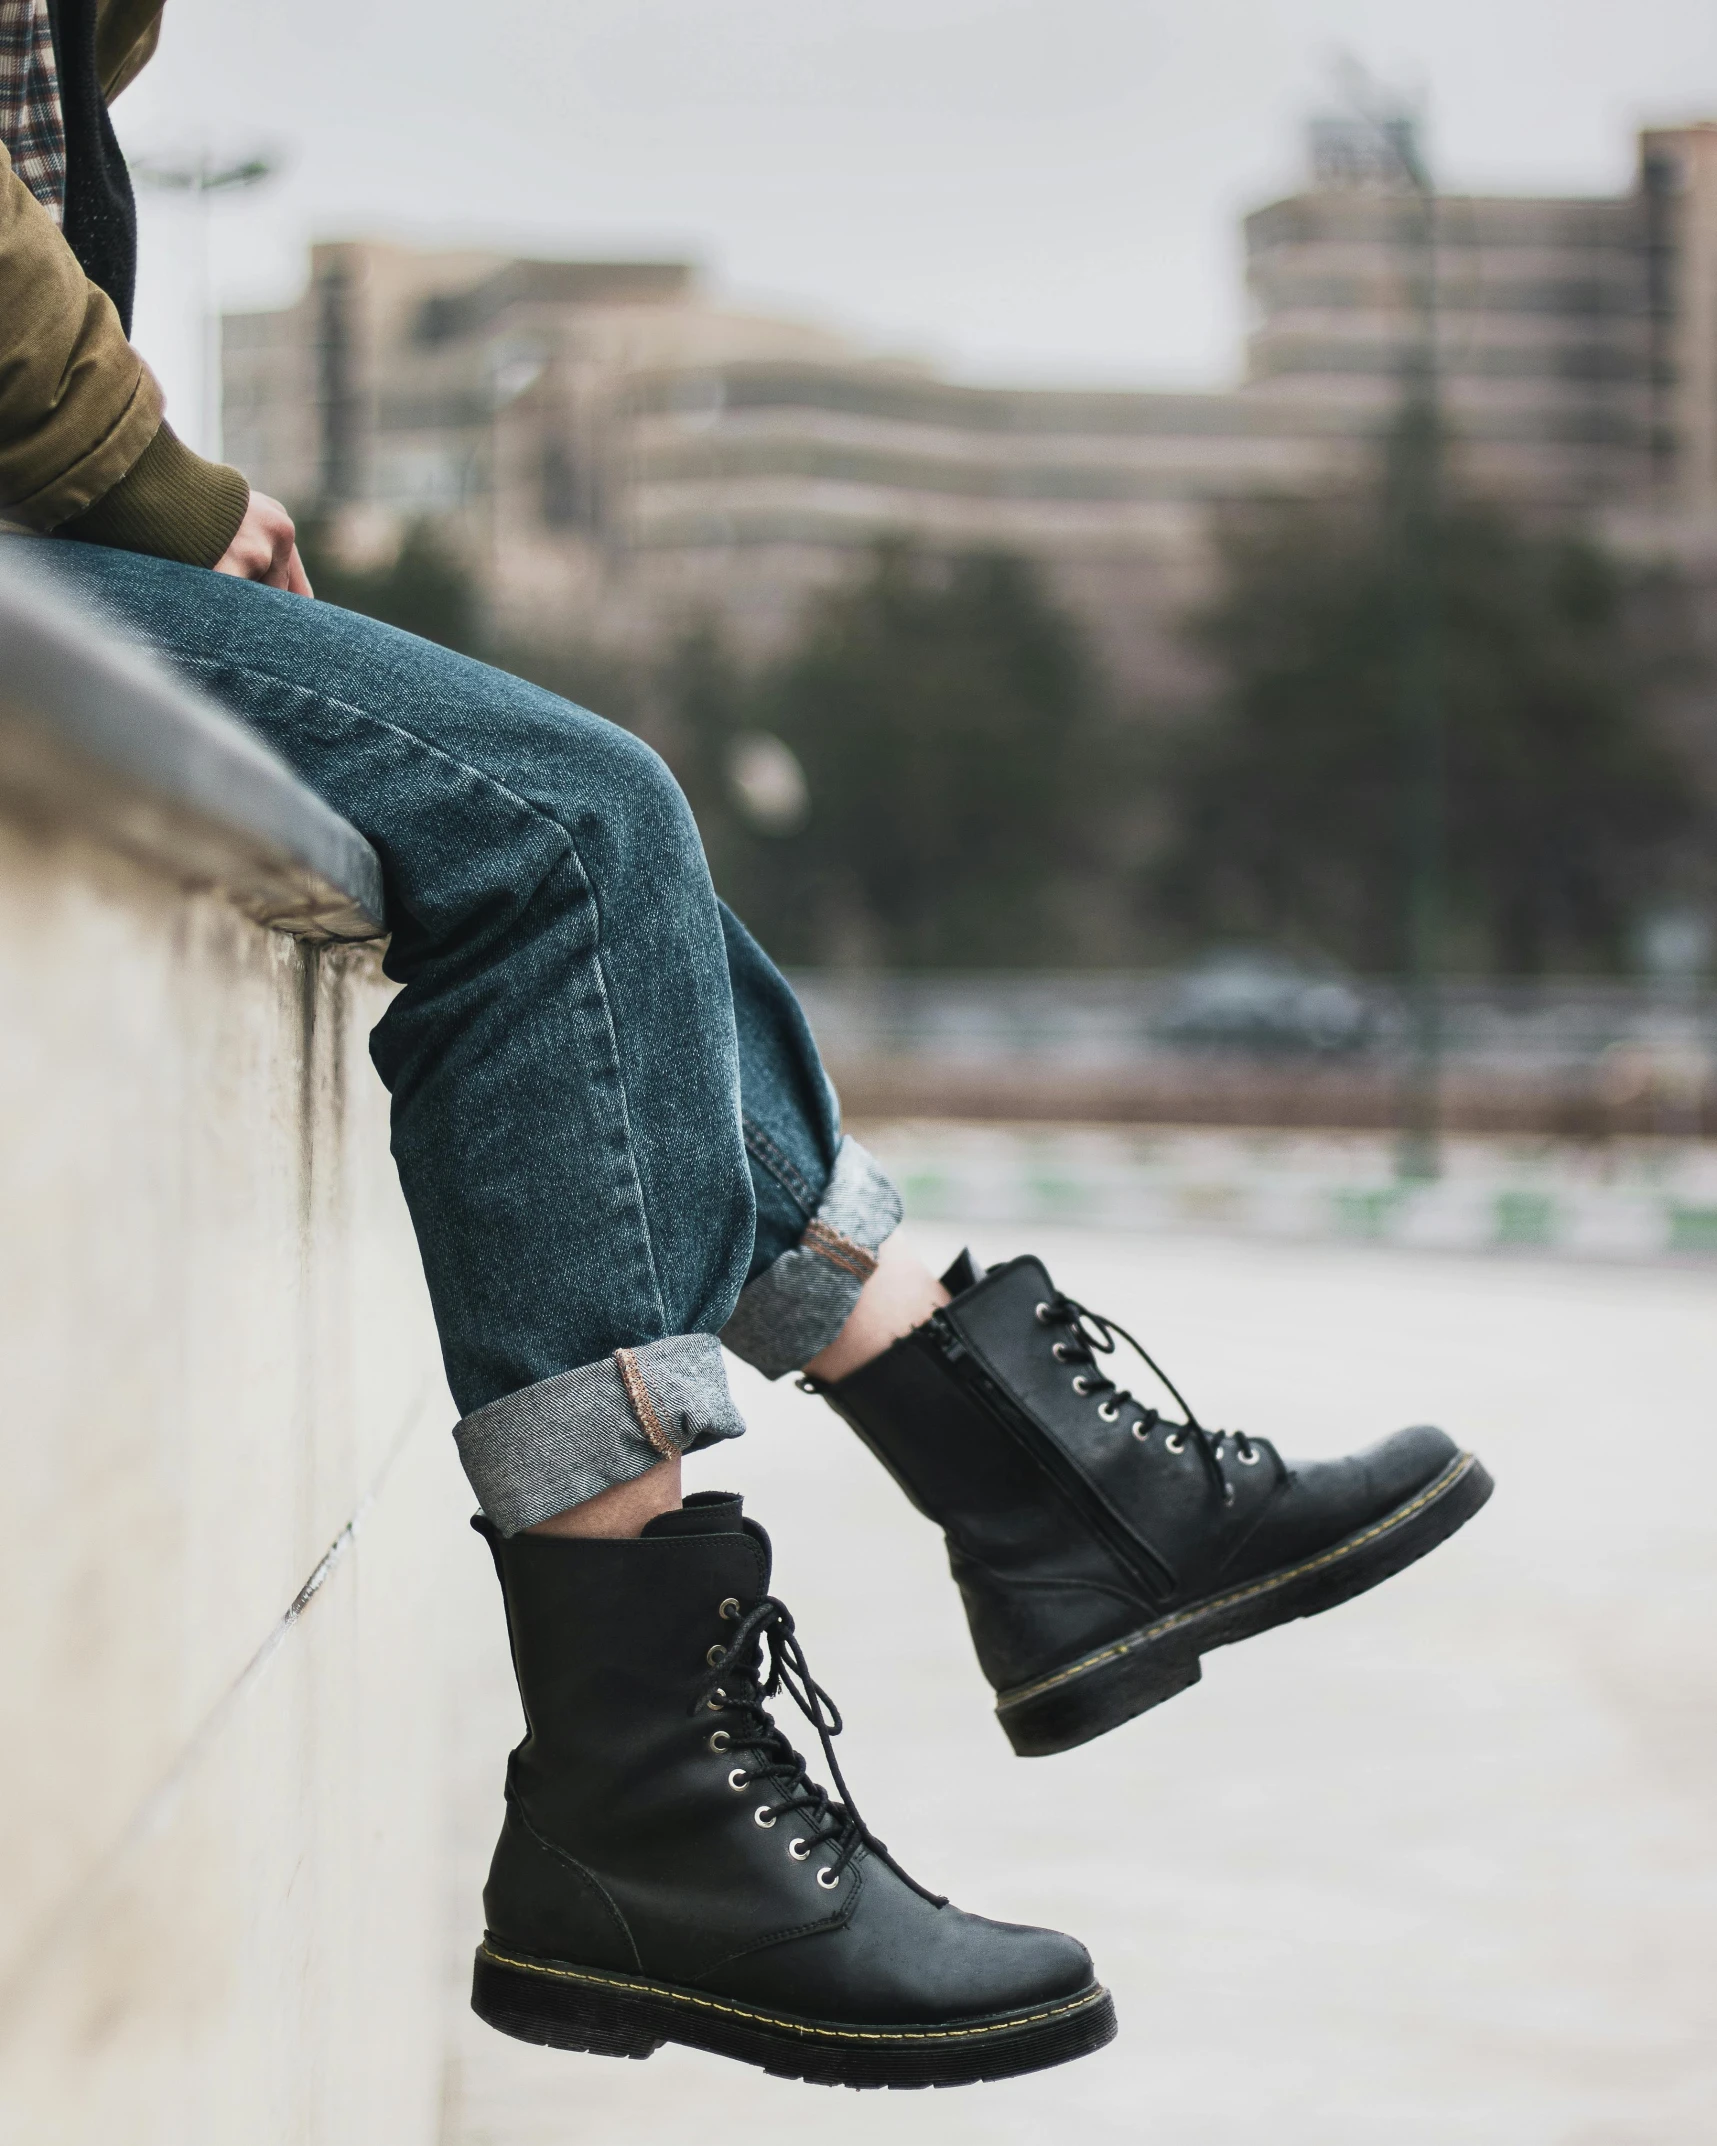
[231,1496]
[93,729]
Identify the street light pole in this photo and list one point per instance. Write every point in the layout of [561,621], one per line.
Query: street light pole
[201,178]
[1418,510]
[1414,493]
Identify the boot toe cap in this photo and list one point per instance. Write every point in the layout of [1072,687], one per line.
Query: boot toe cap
[961,1966]
[1364,1486]
[1019,1965]
[1324,1501]
[1399,1466]
[901,1960]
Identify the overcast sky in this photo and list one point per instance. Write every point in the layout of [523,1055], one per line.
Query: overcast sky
[1015,189]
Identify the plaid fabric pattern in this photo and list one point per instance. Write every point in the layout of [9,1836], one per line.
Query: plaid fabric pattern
[31,123]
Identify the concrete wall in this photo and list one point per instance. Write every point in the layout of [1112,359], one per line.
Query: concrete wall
[228,1490]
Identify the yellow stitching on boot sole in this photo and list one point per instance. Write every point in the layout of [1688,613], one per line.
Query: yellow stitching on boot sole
[1122,1647]
[789,2026]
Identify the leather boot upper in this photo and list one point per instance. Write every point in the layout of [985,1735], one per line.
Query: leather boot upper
[1073,1511]
[656,1823]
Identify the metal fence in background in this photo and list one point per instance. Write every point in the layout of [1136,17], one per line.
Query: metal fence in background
[1259,1044]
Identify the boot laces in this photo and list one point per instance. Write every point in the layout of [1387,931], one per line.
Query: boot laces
[1091,1335]
[763,1659]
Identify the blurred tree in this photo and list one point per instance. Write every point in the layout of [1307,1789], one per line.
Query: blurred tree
[426,588]
[911,783]
[704,701]
[700,708]
[943,712]
[1564,806]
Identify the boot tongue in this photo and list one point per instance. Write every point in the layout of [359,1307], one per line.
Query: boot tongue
[719,1512]
[705,1512]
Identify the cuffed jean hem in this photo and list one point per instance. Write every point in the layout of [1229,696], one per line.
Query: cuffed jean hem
[554,1444]
[795,1308]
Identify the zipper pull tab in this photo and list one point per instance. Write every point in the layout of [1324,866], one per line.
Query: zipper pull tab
[946,1339]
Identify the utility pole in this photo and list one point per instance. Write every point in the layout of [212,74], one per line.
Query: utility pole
[1414,491]
[201,178]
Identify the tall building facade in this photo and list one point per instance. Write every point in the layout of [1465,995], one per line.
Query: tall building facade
[614,451]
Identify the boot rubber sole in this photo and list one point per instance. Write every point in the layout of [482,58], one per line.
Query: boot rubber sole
[1112,1683]
[616,2015]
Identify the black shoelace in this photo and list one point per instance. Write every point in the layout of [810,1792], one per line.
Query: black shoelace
[764,1658]
[1092,1335]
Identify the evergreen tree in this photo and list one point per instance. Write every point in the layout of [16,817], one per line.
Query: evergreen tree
[1564,808]
[425,588]
[942,710]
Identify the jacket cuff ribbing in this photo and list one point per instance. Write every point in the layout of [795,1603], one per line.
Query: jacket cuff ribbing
[170,503]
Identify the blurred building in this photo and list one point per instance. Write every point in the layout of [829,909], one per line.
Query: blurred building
[614,450]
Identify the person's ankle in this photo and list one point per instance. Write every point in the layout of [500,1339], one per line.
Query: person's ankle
[899,1296]
[621,1511]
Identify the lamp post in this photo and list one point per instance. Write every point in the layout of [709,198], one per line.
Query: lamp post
[201,178]
[1414,494]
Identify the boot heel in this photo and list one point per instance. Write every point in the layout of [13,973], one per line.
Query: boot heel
[1092,1699]
[558,2015]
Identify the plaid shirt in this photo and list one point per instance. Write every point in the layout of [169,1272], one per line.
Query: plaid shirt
[31,123]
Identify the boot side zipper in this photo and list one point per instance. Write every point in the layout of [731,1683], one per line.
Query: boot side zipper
[1133,1555]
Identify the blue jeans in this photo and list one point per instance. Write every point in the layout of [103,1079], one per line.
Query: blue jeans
[614,1133]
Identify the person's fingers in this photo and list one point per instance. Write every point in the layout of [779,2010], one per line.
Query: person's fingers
[249,555]
[263,547]
[278,572]
[240,559]
[297,580]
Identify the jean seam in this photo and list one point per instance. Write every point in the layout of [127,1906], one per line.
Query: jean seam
[482,775]
[839,1251]
[638,1393]
[383,722]
[780,1167]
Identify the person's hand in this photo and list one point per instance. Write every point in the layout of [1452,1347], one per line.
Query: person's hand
[264,548]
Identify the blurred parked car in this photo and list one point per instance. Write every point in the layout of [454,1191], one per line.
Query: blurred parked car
[1263,1003]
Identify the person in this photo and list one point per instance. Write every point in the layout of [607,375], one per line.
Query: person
[621,1155]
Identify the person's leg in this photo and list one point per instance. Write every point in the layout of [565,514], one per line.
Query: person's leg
[562,1053]
[1101,1546]
[567,1121]
[568,1090]
[563,1056]
[830,1283]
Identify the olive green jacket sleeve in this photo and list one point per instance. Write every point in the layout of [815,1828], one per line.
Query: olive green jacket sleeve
[83,446]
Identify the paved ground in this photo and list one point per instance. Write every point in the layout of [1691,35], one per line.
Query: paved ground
[1437,1870]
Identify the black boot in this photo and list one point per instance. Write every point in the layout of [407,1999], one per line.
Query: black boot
[1101,1547]
[668,1872]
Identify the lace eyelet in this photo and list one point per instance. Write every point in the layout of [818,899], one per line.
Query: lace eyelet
[1081,1384]
[1045,1317]
[1108,1411]
[729,1610]
[720,1740]
[799,1850]
[716,1656]
[716,1700]
[1061,1352]
[1175,1442]
[1249,1459]
[828,1879]
[737,1780]
[763,1816]
[1141,1430]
